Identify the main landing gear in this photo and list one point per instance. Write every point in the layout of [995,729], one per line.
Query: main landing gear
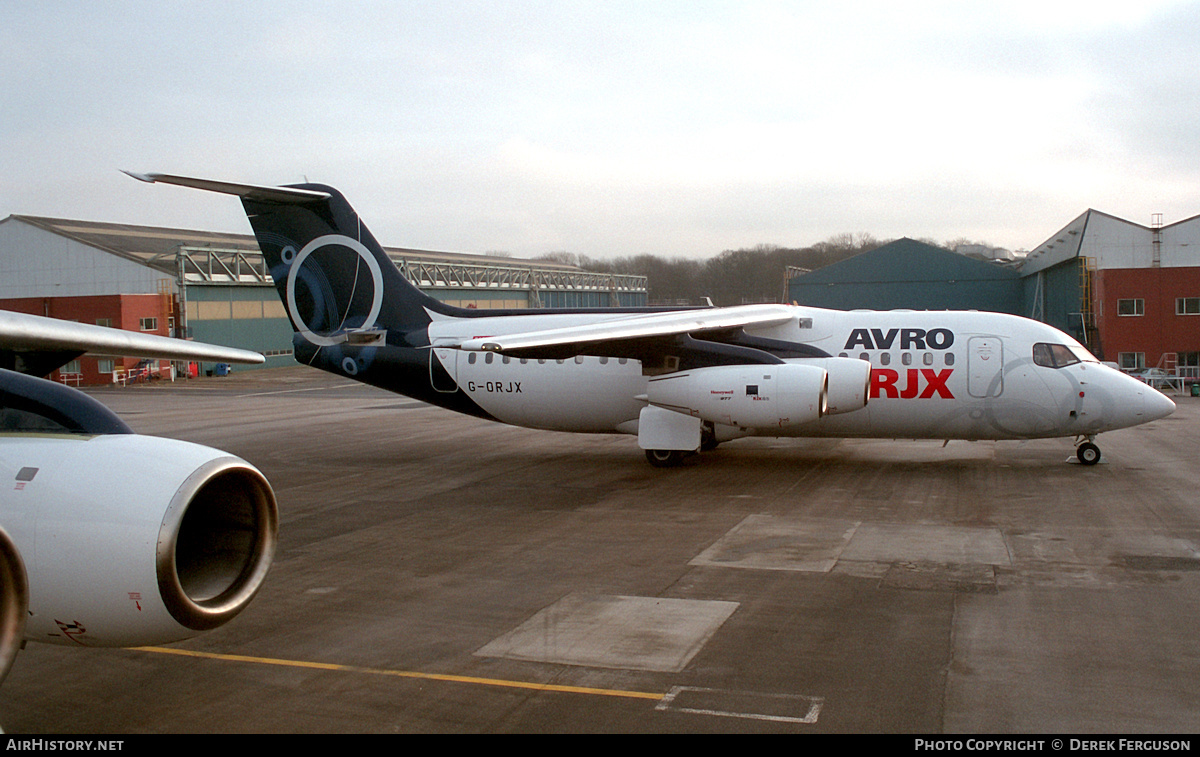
[669,458]
[665,458]
[1087,452]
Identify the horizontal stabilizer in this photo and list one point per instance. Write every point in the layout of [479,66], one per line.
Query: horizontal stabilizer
[246,191]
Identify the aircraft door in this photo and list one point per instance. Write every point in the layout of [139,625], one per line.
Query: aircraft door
[985,366]
[443,369]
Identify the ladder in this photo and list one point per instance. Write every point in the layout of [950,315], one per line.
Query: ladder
[1087,314]
[1168,366]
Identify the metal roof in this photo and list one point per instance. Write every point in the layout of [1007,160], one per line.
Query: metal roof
[152,245]
[212,257]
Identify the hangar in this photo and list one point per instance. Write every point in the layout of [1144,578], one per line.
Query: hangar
[214,287]
[907,274]
[1130,293]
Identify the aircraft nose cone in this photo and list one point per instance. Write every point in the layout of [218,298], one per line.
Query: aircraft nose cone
[1157,405]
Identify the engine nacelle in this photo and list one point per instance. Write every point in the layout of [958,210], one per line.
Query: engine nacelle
[849,382]
[745,396]
[130,540]
[14,602]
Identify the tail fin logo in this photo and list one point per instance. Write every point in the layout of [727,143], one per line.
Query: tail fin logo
[297,261]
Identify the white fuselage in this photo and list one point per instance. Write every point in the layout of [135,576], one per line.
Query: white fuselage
[934,374]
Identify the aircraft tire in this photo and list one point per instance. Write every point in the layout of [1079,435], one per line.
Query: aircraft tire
[1088,453]
[665,458]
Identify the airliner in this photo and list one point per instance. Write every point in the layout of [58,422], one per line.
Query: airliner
[680,380]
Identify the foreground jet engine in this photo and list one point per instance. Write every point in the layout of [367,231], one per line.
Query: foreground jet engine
[108,538]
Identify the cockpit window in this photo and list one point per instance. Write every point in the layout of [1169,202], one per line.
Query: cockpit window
[1082,353]
[15,419]
[1054,355]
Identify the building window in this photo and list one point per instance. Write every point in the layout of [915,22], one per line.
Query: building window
[1187,306]
[105,322]
[104,365]
[1187,364]
[149,324]
[1131,361]
[71,367]
[1131,307]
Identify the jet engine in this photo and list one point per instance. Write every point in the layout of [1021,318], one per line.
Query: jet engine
[120,539]
[745,396]
[849,382]
[14,602]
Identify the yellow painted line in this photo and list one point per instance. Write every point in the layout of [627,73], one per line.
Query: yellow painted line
[405,674]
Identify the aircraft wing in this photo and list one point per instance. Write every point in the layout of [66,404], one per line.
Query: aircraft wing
[632,329]
[40,341]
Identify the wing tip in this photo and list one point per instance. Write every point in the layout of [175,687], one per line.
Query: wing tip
[149,178]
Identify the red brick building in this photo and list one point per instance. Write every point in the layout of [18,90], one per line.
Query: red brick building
[1150,316]
[145,313]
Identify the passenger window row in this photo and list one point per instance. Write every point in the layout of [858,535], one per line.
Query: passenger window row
[490,357]
[906,358]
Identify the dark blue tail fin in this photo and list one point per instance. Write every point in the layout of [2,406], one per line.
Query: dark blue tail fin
[353,312]
[336,281]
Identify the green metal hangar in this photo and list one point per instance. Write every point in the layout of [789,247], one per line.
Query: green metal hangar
[907,274]
[1130,293]
[214,287]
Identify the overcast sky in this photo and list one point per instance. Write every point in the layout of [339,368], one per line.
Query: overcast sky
[611,128]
